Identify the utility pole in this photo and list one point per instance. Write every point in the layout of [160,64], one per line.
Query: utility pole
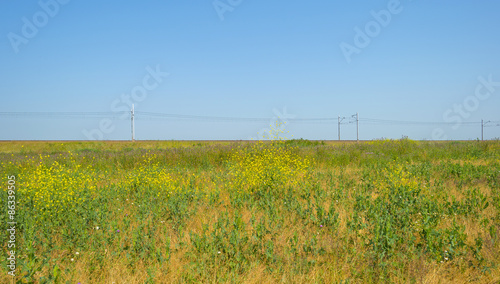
[132,118]
[356,116]
[357,127]
[340,120]
[339,128]
[482,127]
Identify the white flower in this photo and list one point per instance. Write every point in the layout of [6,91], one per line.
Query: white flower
[72,259]
[97,228]
[77,253]
[218,252]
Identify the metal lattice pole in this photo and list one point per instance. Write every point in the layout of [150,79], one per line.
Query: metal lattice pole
[132,121]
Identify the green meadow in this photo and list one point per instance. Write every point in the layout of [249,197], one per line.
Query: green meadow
[293,211]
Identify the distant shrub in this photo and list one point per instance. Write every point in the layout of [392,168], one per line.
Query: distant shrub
[303,143]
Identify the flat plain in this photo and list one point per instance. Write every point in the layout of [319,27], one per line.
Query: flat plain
[293,211]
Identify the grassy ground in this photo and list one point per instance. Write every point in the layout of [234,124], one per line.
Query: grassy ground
[295,211]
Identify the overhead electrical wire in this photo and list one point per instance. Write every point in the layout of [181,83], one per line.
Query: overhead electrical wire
[386,121]
[170,116]
[64,114]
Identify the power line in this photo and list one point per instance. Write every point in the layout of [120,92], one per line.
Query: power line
[226,118]
[199,117]
[156,115]
[64,114]
[142,114]
[386,121]
[135,115]
[492,124]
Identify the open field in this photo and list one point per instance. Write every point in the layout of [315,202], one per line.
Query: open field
[294,211]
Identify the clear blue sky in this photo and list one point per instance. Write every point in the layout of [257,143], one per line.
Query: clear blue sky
[414,61]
